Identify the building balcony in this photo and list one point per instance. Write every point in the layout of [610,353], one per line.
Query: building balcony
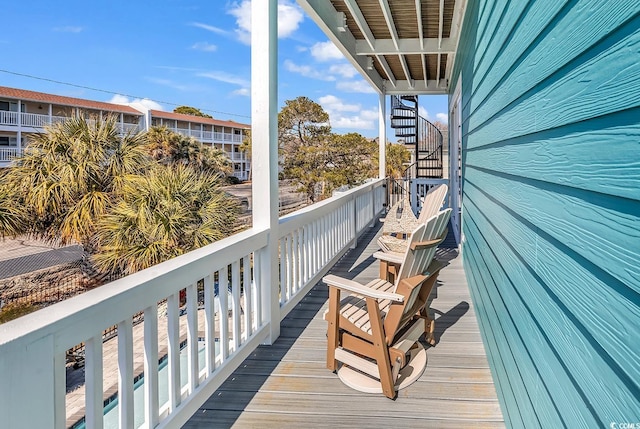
[208,136]
[8,154]
[35,123]
[183,324]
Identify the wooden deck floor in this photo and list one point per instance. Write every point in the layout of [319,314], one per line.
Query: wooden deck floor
[287,384]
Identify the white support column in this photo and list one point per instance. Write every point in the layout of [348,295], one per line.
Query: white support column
[382,135]
[264,151]
[19,135]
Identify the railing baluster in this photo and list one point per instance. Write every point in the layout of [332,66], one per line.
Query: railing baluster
[247,285]
[173,351]
[295,285]
[151,405]
[235,300]
[257,291]
[282,266]
[125,373]
[223,282]
[289,267]
[192,337]
[59,389]
[93,382]
[209,325]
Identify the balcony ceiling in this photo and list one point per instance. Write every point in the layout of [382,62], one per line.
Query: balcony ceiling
[399,46]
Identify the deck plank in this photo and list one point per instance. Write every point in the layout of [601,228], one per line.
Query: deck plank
[287,384]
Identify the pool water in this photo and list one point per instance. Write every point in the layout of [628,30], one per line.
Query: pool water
[111,409]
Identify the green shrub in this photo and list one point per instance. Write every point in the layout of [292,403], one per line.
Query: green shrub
[16,309]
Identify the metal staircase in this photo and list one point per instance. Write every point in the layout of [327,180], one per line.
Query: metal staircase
[416,131]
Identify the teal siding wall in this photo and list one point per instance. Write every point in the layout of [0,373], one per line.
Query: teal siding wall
[551,204]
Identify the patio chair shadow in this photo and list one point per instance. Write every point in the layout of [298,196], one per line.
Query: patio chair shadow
[449,318]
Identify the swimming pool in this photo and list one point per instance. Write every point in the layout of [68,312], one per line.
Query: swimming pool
[111,409]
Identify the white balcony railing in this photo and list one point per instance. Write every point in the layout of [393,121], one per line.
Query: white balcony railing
[32,349]
[34,122]
[8,154]
[208,136]
[236,156]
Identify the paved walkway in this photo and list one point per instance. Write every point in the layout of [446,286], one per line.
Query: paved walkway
[16,259]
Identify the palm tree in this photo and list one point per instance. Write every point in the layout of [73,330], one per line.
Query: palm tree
[12,219]
[82,181]
[168,212]
[169,147]
[246,147]
[68,176]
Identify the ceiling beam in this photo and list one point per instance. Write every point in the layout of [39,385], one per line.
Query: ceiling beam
[327,18]
[386,11]
[361,22]
[440,23]
[423,58]
[418,87]
[440,30]
[369,38]
[405,46]
[419,19]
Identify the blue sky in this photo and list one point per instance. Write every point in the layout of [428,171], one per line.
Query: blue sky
[184,52]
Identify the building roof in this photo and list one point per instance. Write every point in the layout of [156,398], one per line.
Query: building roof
[197,119]
[26,95]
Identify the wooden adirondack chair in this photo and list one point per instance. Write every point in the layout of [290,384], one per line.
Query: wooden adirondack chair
[375,331]
[395,230]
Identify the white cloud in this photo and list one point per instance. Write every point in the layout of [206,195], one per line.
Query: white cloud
[226,78]
[68,29]
[345,115]
[210,28]
[172,84]
[242,91]
[442,117]
[119,99]
[326,51]
[345,70]
[335,104]
[138,102]
[355,86]
[307,71]
[204,46]
[289,18]
[423,112]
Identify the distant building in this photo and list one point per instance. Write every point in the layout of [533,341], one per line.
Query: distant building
[24,112]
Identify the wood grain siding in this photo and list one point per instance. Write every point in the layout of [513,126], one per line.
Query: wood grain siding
[551,204]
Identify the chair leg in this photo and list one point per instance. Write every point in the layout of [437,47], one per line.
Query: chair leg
[333,318]
[381,349]
[430,331]
[384,270]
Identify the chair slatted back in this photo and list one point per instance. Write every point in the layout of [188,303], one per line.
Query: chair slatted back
[433,202]
[415,263]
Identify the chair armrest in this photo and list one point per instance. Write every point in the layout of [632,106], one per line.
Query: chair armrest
[430,243]
[358,289]
[394,258]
